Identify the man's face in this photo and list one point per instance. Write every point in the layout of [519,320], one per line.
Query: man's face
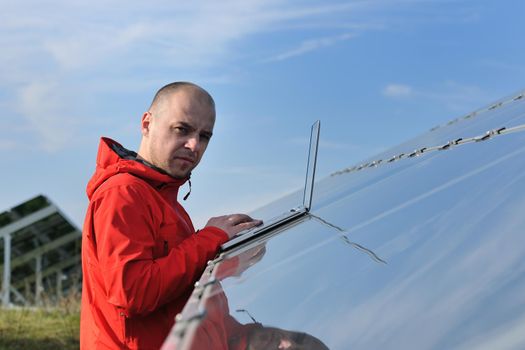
[176,134]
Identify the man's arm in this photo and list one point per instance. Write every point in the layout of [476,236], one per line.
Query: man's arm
[133,280]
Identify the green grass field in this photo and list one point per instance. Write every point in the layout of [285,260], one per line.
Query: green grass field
[40,329]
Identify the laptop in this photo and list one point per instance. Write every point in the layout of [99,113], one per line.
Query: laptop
[294,213]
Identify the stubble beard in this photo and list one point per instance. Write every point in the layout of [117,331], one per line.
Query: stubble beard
[178,172]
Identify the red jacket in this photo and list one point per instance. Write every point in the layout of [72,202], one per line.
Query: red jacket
[140,253]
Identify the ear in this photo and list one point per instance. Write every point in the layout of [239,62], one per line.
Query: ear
[145,123]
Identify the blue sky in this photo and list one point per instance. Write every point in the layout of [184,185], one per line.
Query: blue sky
[375,72]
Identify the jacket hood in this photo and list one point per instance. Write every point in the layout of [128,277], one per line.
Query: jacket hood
[114,159]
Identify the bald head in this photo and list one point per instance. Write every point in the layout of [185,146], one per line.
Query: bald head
[177,128]
[164,95]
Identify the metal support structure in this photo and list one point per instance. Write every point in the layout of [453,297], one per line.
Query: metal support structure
[75,260]
[27,257]
[29,220]
[457,142]
[18,296]
[27,292]
[38,280]
[59,276]
[6,281]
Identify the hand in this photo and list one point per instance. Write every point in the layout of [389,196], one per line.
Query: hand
[233,224]
[249,258]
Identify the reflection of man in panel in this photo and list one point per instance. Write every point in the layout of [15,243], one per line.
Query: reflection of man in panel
[140,252]
[219,330]
[259,338]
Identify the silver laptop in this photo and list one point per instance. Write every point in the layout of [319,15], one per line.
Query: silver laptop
[294,213]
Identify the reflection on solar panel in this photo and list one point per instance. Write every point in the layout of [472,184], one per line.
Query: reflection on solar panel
[39,253]
[420,247]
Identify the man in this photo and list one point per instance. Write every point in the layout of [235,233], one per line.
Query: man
[140,251]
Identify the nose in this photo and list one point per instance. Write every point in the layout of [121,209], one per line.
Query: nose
[192,143]
[285,344]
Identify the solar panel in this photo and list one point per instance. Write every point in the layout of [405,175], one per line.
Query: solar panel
[424,251]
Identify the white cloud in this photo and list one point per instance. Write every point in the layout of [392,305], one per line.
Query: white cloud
[40,103]
[81,34]
[398,90]
[311,45]
[53,44]
[82,46]
[7,145]
[88,46]
[455,96]
[170,33]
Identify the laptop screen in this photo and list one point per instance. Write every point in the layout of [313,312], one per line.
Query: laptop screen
[311,165]
[292,213]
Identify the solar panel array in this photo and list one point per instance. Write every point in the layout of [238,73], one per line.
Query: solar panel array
[39,254]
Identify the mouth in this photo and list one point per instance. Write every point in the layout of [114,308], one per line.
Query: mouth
[186,159]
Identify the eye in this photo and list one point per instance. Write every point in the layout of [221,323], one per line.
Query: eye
[205,137]
[181,130]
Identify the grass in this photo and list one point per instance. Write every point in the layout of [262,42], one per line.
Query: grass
[46,328]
